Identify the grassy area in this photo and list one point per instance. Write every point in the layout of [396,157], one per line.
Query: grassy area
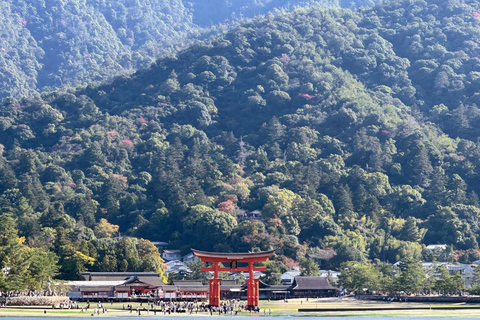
[274,308]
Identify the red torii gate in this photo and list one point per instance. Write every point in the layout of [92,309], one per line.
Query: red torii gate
[233,259]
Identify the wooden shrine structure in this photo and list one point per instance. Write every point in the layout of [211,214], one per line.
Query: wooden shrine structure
[235,262]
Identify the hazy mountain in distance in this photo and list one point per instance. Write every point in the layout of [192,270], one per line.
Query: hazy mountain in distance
[50,43]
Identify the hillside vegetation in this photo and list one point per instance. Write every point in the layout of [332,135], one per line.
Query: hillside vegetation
[47,44]
[51,43]
[355,133]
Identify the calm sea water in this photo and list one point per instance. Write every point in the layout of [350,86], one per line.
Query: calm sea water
[258,316]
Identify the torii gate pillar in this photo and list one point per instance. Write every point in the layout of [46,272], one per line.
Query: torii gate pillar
[232,259]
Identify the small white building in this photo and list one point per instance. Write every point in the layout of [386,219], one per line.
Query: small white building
[436,247]
[289,276]
[177,266]
[431,268]
[189,258]
[249,215]
[330,273]
[466,271]
[171,255]
[431,265]
[256,275]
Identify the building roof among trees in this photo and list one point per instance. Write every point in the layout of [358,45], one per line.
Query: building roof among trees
[323,254]
[434,247]
[187,283]
[311,283]
[111,276]
[152,281]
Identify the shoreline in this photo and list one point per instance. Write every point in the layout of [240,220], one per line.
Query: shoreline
[344,306]
[391,308]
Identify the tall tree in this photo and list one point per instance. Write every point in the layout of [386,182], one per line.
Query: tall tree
[411,276]
[308,267]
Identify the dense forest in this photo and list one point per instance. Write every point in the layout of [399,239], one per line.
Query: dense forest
[46,44]
[354,132]
[51,43]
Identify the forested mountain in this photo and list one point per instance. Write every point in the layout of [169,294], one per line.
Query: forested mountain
[353,131]
[218,11]
[50,43]
[46,44]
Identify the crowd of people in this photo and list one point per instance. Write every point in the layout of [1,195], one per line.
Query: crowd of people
[228,307]
[231,307]
[32,293]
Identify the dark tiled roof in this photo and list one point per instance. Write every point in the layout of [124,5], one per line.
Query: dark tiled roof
[193,288]
[226,285]
[105,276]
[276,288]
[311,283]
[121,273]
[152,281]
[279,287]
[96,289]
[262,284]
[187,283]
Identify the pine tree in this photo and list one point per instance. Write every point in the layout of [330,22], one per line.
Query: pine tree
[411,232]
[422,167]
[411,276]
[344,207]
[359,199]
[308,267]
